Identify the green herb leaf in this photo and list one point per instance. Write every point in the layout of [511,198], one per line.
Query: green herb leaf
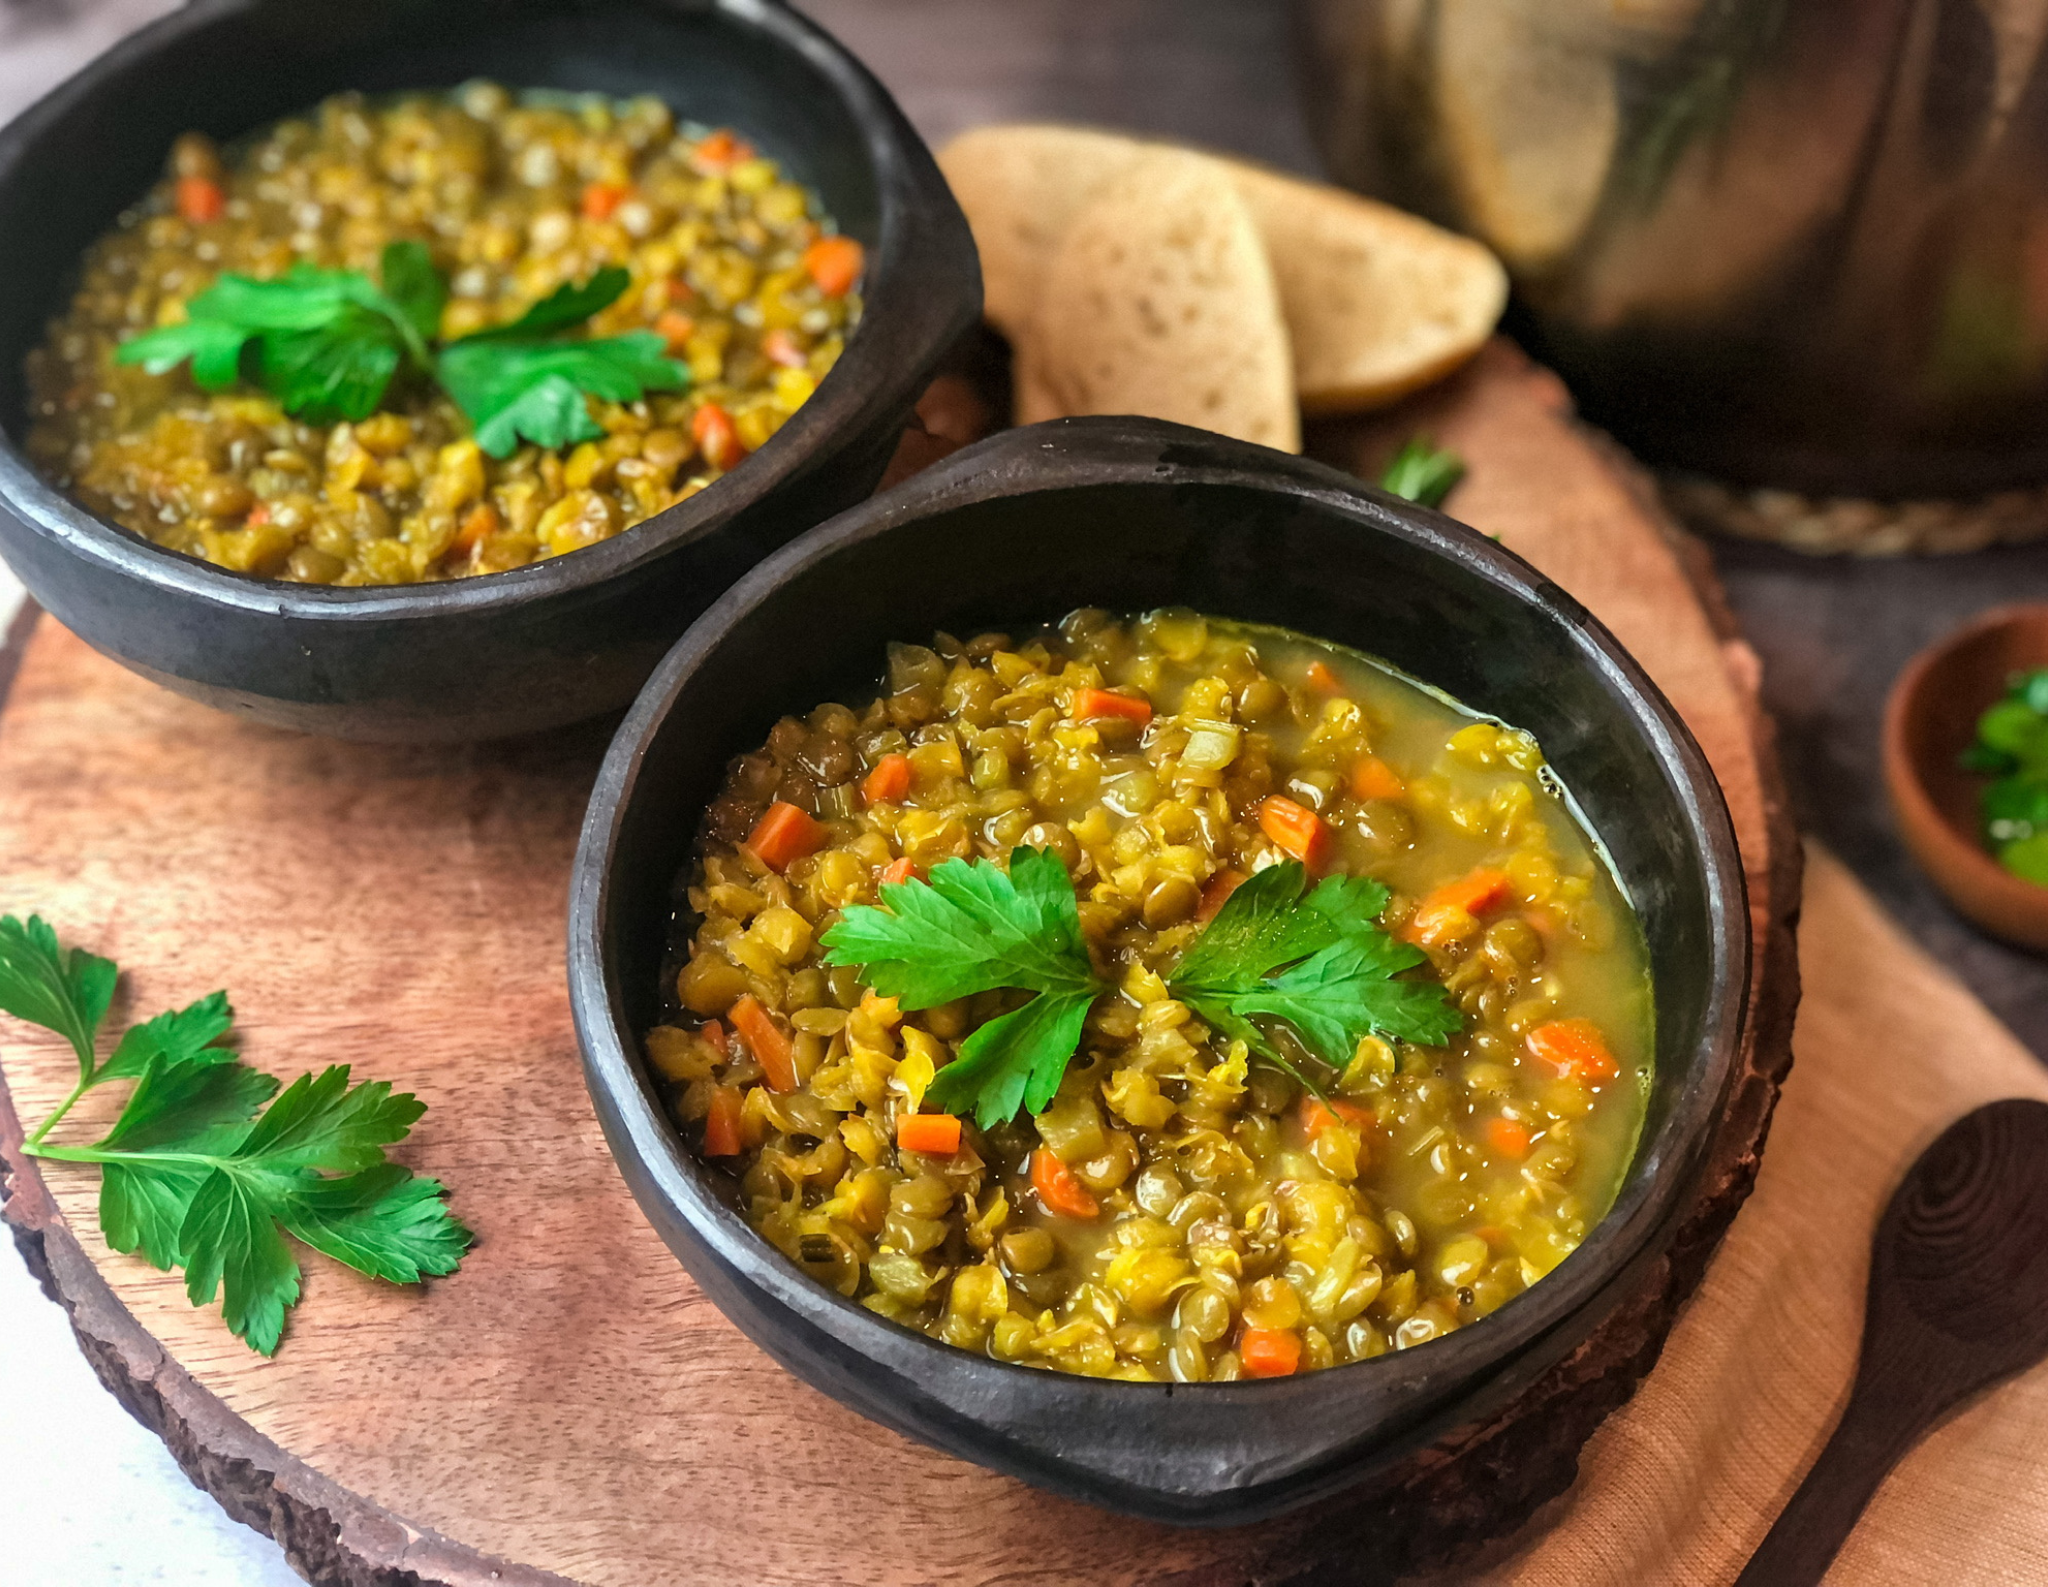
[972,928]
[1348,991]
[1016,1059]
[183,1036]
[65,991]
[976,928]
[214,346]
[566,306]
[328,342]
[415,286]
[1422,474]
[1341,986]
[511,389]
[197,1173]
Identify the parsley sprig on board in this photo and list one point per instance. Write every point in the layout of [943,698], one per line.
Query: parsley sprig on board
[329,343]
[197,1173]
[1423,473]
[1319,964]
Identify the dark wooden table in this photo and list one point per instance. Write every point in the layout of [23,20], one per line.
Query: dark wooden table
[1833,633]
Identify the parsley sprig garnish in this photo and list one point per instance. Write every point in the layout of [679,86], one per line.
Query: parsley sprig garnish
[329,343]
[1423,473]
[192,1175]
[1321,965]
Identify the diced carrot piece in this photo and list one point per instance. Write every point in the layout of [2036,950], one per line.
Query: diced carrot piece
[480,522]
[785,833]
[766,1040]
[722,1123]
[675,328]
[200,199]
[934,1134]
[1269,1352]
[1296,830]
[779,347]
[1574,1049]
[717,438]
[1058,1190]
[1373,778]
[714,1033]
[1216,893]
[1449,911]
[258,514]
[601,198]
[680,291]
[835,263]
[888,782]
[1095,705]
[718,152]
[897,871]
[1317,1116]
[1321,679]
[1508,1137]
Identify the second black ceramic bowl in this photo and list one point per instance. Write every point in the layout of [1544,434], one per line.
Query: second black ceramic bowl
[1130,514]
[564,638]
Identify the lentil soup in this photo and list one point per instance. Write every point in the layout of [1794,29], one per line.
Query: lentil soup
[731,265]
[1203,1197]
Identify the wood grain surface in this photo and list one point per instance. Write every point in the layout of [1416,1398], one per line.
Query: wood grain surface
[569,1405]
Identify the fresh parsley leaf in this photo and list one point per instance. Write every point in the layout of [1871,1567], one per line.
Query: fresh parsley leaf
[65,991]
[1016,1059]
[413,284]
[973,927]
[1261,926]
[1340,986]
[214,346]
[183,1036]
[339,371]
[1319,963]
[1348,991]
[158,1154]
[568,305]
[328,342]
[384,1221]
[197,1173]
[1423,474]
[511,389]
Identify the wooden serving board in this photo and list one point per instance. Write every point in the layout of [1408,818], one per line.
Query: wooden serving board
[570,1406]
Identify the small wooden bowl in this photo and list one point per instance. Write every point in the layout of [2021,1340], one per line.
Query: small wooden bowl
[1929,721]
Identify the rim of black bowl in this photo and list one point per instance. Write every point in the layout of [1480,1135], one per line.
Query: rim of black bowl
[891,295]
[1055,457]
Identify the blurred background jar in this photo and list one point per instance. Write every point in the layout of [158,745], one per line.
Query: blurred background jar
[1795,243]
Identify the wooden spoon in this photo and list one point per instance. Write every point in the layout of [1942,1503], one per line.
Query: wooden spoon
[1958,1300]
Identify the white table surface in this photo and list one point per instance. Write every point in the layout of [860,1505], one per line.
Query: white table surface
[89,1496]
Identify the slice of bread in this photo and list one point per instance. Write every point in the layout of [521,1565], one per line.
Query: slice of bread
[1159,300]
[1020,187]
[1378,302]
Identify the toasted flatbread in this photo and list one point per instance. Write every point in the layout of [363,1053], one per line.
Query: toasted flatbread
[1378,302]
[1159,300]
[1020,187]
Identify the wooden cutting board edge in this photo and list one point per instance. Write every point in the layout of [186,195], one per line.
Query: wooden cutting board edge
[1456,1495]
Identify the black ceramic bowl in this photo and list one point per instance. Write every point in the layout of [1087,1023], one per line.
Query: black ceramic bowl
[541,645]
[1131,514]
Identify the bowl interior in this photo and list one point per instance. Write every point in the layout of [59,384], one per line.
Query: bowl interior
[229,67]
[1131,515]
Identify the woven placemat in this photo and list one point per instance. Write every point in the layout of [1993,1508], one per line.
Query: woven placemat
[1852,526]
